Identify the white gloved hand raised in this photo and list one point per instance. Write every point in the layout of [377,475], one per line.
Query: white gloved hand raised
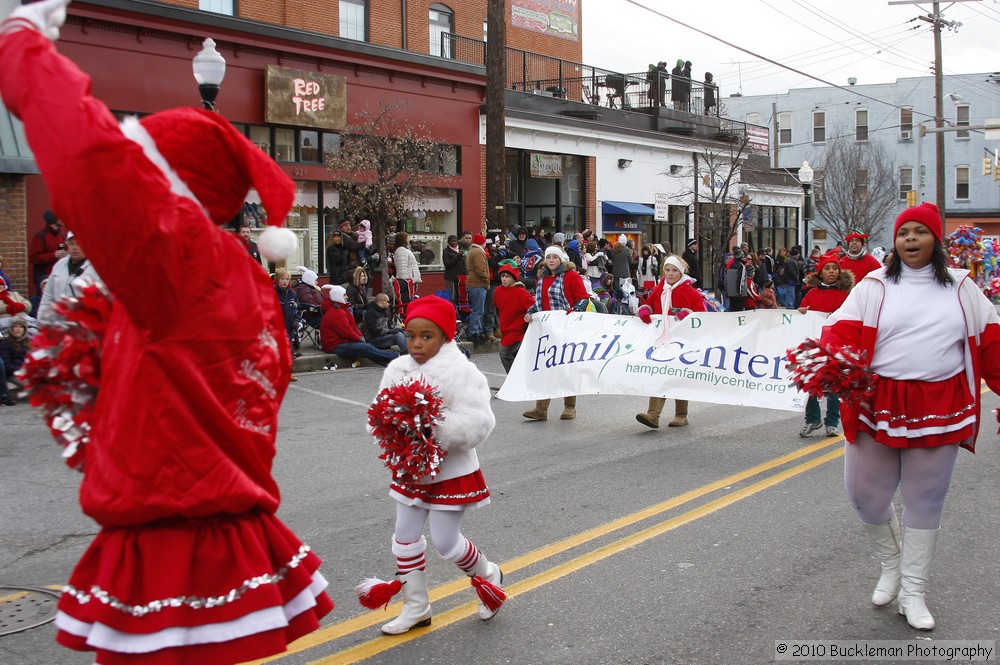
[46,16]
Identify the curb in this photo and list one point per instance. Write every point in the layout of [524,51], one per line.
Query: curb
[314,360]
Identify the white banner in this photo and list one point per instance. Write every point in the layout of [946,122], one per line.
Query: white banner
[717,357]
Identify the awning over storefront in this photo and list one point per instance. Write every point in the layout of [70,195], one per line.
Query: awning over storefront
[623,208]
[15,155]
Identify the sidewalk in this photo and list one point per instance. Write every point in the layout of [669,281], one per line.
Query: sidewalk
[313,359]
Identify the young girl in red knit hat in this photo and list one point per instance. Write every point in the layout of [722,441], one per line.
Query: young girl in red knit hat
[930,337]
[459,486]
[828,289]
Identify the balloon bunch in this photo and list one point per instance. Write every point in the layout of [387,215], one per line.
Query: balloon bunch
[965,248]
[402,419]
[62,373]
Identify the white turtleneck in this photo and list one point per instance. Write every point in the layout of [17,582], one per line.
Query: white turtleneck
[921,330]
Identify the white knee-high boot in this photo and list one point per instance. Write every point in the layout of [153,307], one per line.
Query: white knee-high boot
[411,579]
[885,537]
[915,565]
[485,575]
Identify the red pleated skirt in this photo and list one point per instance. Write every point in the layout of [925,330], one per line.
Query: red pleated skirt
[920,414]
[462,493]
[221,589]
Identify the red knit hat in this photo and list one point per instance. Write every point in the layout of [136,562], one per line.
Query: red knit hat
[926,213]
[829,257]
[205,158]
[510,269]
[437,310]
[479,239]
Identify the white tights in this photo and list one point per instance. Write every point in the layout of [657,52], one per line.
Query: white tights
[872,472]
[445,526]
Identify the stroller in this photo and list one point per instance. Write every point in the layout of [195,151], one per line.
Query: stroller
[307,326]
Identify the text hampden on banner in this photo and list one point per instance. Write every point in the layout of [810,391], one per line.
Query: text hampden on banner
[719,357]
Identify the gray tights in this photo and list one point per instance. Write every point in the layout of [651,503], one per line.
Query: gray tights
[872,472]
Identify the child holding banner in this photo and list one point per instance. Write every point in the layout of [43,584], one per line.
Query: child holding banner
[512,301]
[558,289]
[828,289]
[930,336]
[674,295]
[466,420]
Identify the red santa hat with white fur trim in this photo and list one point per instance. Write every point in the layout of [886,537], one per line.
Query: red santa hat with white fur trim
[207,160]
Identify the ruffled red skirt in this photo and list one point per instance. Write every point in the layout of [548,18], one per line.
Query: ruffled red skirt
[221,589]
[462,493]
[921,414]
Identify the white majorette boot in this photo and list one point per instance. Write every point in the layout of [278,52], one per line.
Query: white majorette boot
[915,563]
[411,579]
[885,538]
[485,576]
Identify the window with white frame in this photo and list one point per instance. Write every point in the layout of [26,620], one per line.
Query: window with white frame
[354,19]
[962,120]
[226,7]
[784,128]
[819,127]
[962,183]
[906,123]
[861,182]
[905,181]
[442,24]
[753,118]
[861,125]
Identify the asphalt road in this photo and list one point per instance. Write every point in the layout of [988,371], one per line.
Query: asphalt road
[620,544]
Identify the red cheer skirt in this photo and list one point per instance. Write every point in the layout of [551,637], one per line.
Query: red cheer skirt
[462,493]
[920,414]
[221,589]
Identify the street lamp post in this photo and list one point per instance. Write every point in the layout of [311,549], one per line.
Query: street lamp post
[209,70]
[806,178]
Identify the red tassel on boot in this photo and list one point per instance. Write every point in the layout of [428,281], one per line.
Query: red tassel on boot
[374,593]
[491,595]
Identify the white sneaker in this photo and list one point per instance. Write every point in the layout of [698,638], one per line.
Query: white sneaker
[831,430]
[808,429]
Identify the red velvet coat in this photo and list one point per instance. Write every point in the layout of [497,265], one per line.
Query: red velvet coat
[196,360]
[685,296]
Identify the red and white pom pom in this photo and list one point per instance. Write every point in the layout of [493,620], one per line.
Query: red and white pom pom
[374,593]
[491,595]
[62,374]
[402,418]
[818,369]
[277,243]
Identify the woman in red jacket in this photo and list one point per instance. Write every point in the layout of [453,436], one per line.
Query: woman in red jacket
[559,288]
[828,289]
[674,295]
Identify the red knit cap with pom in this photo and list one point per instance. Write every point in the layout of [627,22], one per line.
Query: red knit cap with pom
[926,213]
[437,310]
[829,257]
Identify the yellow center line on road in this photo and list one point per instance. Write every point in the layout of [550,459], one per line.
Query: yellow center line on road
[369,619]
[445,619]
[13,596]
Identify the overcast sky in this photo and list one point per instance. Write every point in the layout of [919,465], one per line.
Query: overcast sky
[831,39]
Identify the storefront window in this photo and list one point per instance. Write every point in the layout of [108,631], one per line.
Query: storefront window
[309,147]
[546,190]
[284,145]
[331,146]
[261,137]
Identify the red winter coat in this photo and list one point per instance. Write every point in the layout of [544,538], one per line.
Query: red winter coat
[512,304]
[337,327]
[42,253]
[860,267]
[196,360]
[685,296]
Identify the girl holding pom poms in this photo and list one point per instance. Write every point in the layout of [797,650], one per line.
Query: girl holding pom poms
[432,410]
[929,336]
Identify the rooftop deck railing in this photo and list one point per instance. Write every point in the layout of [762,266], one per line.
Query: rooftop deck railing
[564,79]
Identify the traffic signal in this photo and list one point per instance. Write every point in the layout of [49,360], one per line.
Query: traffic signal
[911,198]
[987,165]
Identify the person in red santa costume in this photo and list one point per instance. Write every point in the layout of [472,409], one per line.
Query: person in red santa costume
[190,564]
[857,259]
[444,498]
[674,294]
[930,337]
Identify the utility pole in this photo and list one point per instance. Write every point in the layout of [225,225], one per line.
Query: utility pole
[937,22]
[496,79]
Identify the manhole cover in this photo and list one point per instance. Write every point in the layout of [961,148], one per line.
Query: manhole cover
[23,608]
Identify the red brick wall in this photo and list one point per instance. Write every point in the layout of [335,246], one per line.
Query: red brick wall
[13,234]
[385,17]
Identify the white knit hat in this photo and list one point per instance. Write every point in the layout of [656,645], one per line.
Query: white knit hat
[338,294]
[553,249]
